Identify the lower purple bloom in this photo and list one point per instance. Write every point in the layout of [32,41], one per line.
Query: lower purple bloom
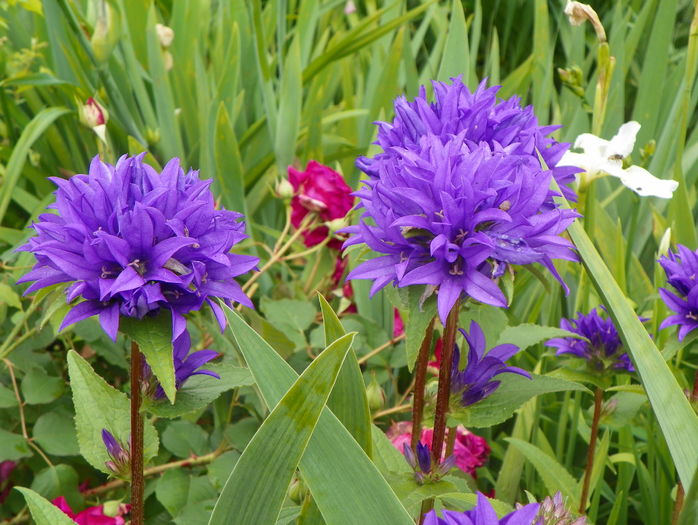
[483,514]
[475,382]
[681,270]
[602,347]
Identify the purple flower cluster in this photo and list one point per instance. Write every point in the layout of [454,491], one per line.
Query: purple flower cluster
[133,241]
[458,194]
[120,462]
[602,346]
[421,463]
[483,514]
[475,382]
[681,269]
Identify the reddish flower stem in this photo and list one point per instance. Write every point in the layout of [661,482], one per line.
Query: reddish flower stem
[444,392]
[420,375]
[598,399]
[137,479]
[451,440]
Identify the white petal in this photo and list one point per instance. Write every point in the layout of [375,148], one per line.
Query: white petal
[645,184]
[592,145]
[589,163]
[623,142]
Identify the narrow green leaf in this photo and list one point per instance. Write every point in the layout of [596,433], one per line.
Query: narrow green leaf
[290,103]
[154,338]
[230,175]
[513,392]
[456,58]
[348,399]
[689,514]
[257,486]
[360,486]
[30,134]
[43,511]
[100,406]
[554,475]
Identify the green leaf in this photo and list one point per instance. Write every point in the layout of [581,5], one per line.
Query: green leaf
[55,432]
[201,390]
[13,446]
[360,487]
[99,406]
[290,103]
[513,392]
[59,480]
[184,438]
[416,318]
[678,421]
[43,511]
[291,313]
[172,490]
[462,501]
[39,388]
[554,475]
[9,297]
[257,486]
[525,335]
[456,58]
[689,514]
[348,398]
[154,338]
[15,165]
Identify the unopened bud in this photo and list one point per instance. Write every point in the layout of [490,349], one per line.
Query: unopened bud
[165,35]
[167,60]
[284,189]
[336,224]
[92,113]
[648,150]
[296,490]
[375,395]
[107,30]
[664,243]
[152,135]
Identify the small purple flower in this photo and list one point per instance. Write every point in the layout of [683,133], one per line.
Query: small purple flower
[475,382]
[424,457]
[421,463]
[132,241]
[120,462]
[681,269]
[483,514]
[458,194]
[186,365]
[602,346]
[554,512]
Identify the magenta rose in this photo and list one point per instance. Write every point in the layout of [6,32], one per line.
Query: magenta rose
[321,190]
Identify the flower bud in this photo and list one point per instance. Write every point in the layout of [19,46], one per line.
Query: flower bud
[665,243]
[152,136]
[296,490]
[284,189]
[336,224]
[375,395]
[107,30]
[578,13]
[165,35]
[92,113]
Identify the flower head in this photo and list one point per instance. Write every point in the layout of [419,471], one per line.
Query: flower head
[470,451]
[475,382]
[132,241]
[602,346]
[321,190]
[458,194]
[681,269]
[605,157]
[554,512]
[483,514]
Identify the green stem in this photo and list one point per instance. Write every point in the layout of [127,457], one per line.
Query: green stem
[137,478]
[598,399]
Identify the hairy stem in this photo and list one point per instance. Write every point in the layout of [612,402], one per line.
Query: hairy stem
[444,392]
[137,479]
[598,399]
[420,375]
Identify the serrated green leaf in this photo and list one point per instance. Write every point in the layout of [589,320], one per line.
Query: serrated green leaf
[257,486]
[184,439]
[99,406]
[39,388]
[13,446]
[348,398]
[154,338]
[512,393]
[201,390]
[55,432]
[360,487]
[43,511]
[554,475]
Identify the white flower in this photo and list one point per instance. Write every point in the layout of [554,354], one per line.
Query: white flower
[605,157]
